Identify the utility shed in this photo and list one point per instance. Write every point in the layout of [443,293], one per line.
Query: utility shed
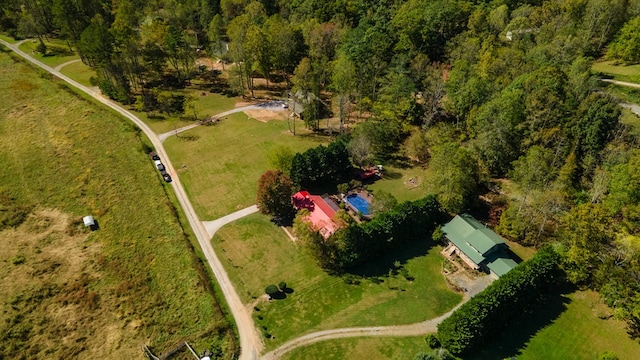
[88,221]
[477,245]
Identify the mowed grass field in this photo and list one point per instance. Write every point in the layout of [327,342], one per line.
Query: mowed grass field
[58,51]
[370,348]
[629,73]
[79,72]
[224,161]
[67,292]
[256,253]
[405,184]
[576,326]
[206,104]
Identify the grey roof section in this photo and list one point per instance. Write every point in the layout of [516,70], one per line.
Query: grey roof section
[332,204]
[471,237]
[501,266]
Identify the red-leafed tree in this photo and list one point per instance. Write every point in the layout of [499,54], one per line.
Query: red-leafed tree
[274,195]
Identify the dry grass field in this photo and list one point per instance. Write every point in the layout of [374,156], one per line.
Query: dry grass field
[67,292]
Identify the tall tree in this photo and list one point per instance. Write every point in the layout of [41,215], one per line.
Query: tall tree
[343,81]
[454,176]
[274,195]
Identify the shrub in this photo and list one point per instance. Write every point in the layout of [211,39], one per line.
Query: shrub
[282,285]
[271,290]
[432,341]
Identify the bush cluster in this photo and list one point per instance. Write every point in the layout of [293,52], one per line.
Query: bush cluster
[321,164]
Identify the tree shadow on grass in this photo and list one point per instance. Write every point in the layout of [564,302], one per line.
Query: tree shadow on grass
[393,175]
[517,335]
[280,295]
[387,262]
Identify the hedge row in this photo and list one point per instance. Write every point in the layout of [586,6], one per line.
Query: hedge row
[491,311]
[409,221]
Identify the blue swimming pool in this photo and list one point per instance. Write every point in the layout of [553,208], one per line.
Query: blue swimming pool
[359,203]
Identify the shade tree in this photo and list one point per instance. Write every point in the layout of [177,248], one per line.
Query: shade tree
[274,196]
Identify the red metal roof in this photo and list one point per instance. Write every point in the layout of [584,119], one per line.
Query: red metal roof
[320,213]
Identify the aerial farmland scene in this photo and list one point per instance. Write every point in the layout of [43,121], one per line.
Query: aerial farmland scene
[320,179]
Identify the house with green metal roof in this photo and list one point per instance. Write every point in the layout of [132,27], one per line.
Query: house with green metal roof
[477,245]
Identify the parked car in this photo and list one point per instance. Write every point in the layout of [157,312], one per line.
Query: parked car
[167,177]
[154,156]
[159,165]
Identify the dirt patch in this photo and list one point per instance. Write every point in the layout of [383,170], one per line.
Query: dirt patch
[266,115]
[413,182]
[210,63]
[48,289]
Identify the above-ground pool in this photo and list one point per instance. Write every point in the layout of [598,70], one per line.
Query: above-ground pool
[359,203]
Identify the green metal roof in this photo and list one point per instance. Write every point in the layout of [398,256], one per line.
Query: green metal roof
[501,266]
[471,237]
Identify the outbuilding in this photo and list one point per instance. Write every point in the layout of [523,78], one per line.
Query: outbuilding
[90,222]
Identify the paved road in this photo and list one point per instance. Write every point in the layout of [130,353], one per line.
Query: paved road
[250,341]
[417,329]
[270,105]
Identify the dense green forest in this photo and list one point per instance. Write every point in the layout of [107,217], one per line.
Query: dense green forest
[493,96]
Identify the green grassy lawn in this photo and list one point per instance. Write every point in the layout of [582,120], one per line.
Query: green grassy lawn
[57,52]
[404,184]
[629,73]
[79,72]
[81,294]
[566,328]
[224,161]
[206,104]
[257,253]
[371,348]
[7,39]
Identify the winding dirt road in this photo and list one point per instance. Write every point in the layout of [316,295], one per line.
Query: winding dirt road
[269,105]
[250,341]
[473,288]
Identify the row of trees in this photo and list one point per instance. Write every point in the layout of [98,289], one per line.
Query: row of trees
[488,313]
[321,165]
[358,243]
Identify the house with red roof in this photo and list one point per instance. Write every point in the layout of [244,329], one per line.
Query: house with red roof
[321,211]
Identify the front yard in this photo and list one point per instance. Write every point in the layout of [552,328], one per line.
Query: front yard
[256,253]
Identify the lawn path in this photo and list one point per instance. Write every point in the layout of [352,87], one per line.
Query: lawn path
[269,105]
[622,83]
[59,67]
[250,340]
[417,329]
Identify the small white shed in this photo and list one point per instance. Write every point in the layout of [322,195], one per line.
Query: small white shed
[88,221]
